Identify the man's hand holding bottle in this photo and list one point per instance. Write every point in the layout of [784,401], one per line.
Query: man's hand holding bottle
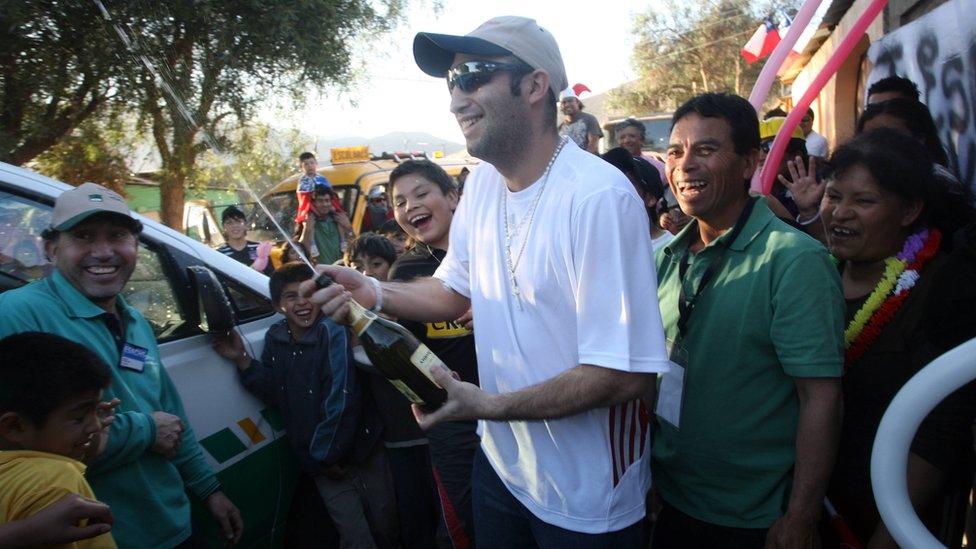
[334,299]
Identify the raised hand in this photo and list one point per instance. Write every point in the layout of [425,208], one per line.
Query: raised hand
[803,185]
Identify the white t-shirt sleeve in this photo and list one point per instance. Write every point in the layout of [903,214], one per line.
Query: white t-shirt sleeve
[454,270]
[817,145]
[618,319]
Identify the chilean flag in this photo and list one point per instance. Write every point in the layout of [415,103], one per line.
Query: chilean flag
[762,43]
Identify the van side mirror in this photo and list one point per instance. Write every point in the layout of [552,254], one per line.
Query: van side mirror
[213,306]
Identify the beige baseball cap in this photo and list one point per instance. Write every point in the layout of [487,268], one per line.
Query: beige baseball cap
[86,200]
[504,35]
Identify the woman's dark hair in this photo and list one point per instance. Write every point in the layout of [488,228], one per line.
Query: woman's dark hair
[900,166]
[916,118]
[373,245]
[40,371]
[426,169]
[619,158]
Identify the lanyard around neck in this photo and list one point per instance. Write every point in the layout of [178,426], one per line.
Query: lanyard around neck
[687,306]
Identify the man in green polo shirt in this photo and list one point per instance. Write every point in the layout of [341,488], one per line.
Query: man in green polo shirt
[326,230]
[152,456]
[750,413]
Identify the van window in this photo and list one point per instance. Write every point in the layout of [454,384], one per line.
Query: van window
[151,292]
[22,259]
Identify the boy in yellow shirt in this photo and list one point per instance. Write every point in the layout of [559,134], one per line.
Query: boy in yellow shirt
[50,390]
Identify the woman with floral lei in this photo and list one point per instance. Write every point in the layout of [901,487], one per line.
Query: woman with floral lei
[881,210]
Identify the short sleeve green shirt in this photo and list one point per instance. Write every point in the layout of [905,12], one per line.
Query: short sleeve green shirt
[773,311]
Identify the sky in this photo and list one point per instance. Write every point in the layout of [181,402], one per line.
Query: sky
[394,95]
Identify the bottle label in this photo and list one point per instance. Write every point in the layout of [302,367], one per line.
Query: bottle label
[362,322]
[424,359]
[411,396]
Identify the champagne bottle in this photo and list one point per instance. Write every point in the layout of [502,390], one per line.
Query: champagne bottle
[396,353]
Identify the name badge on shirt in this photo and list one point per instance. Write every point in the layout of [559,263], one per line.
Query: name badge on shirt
[133,357]
[671,393]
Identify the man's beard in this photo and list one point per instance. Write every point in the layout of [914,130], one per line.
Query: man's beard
[502,142]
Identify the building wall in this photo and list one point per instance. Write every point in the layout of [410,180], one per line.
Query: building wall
[836,107]
[902,12]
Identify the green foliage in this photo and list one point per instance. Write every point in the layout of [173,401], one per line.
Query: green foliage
[187,69]
[684,48]
[257,155]
[57,63]
[90,153]
[209,61]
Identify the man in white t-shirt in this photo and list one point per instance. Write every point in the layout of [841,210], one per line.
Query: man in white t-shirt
[550,248]
[816,143]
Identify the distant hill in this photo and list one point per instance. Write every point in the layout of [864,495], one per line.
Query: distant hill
[144,158]
[391,142]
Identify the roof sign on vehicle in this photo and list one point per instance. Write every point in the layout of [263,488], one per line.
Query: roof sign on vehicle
[344,155]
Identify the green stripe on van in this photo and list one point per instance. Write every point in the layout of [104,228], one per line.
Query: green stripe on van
[223,445]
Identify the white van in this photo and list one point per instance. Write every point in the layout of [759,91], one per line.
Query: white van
[242,439]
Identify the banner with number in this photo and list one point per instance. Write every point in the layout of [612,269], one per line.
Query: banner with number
[938,52]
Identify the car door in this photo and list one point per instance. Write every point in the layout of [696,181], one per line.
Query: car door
[241,437]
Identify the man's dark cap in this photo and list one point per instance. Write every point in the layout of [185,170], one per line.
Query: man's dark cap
[232,212]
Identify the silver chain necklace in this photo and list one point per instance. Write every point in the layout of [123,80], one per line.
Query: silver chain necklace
[525,223]
[431,252]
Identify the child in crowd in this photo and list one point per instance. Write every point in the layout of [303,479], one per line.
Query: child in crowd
[238,247]
[309,182]
[395,234]
[50,393]
[424,200]
[306,370]
[406,443]
[372,255]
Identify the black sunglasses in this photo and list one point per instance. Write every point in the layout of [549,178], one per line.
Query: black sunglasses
[471,75]
[766,145]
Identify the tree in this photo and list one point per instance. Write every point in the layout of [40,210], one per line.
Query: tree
[258,156]
[692,47]
[90,153]
[57,64]
[210,61]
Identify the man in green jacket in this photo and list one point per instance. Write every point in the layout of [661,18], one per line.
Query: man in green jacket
[152,456]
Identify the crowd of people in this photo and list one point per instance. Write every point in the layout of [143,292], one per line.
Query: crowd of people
[637,352]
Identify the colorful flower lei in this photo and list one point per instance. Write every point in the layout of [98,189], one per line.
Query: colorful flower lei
[893,270]
[901,274]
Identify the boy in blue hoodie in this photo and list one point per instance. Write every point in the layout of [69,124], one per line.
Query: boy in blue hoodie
[306,371]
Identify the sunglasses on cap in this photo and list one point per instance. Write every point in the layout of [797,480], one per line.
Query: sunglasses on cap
[471,75]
